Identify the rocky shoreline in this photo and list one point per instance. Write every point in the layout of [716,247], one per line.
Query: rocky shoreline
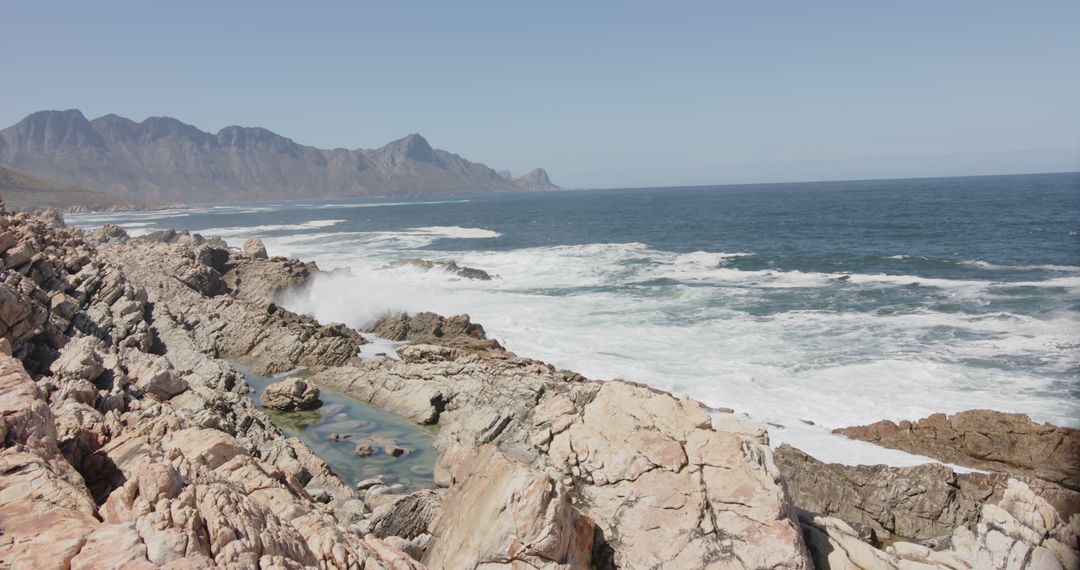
[129,441]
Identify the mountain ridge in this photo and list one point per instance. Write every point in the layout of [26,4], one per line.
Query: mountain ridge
[164,159]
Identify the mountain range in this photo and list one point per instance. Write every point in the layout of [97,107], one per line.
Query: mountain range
[162,159]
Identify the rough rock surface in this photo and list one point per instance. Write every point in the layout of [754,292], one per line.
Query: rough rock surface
[124,441]
[243,322]
[1023,531]
[447,266]
[254,248]
[662,487]
[920,502]
[501,513]
[985,439]
[430,328]
[290,395]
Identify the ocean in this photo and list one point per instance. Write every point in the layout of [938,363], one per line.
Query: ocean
[807,306]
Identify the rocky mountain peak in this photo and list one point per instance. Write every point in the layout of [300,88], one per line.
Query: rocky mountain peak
[49,130]
[537,179]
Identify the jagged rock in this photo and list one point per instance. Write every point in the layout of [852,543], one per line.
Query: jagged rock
[118,473]
[289,395]
[363,450]
[110,232]
[447,266]
[659,483]
[834,545]
[254,248]
[430,328]
[79,359]
[1024,528]
[408,517]
[153,377]
[502,514]
[914,502]
[985,439]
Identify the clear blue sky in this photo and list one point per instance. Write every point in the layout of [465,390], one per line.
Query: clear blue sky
[601,94]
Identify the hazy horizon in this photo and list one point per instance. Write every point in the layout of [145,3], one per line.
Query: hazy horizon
[602,97]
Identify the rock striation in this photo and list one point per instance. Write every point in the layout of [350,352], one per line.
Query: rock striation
[660,487]
[125,442]
[985,439]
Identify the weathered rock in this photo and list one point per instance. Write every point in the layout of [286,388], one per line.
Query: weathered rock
[985,439]
[834,545]
[914,502]
[430,328]
[254,248]
[1023,530]
[447,266]
[151,465]
[408,517]
[501,513]
[79,359]
[663,488]
[291,394]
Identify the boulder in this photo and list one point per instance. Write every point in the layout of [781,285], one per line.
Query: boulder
[254,248]
[289,395]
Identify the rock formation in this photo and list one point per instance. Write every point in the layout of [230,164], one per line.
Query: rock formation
[447,266]
[429,328]
[290,395]
[985,439]
[131,444]
[128,441]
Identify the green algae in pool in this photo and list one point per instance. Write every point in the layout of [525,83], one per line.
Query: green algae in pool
[360,424]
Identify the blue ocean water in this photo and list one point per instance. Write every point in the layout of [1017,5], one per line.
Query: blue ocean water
[833,302]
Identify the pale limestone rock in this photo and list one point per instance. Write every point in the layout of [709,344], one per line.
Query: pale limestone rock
[291,394]
[500,513]
[254,248]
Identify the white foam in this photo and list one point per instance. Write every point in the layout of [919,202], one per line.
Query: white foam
[457,232]
[978,263]
[238,231]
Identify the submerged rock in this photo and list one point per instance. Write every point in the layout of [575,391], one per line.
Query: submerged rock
[448,266]
[430,328]
[289,395]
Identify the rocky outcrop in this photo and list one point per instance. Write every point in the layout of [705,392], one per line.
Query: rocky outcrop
[663,488]
[985,439]
[430,328]
[921,502]
[289,395]
[134,445]
[241,322]
[448,266]
[499,513]
[1023,531]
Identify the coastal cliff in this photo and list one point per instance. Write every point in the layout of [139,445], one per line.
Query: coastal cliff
[130,441]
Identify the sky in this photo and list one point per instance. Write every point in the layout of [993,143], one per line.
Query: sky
[619,94]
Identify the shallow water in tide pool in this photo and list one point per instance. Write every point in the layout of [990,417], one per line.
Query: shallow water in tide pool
[363,423]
